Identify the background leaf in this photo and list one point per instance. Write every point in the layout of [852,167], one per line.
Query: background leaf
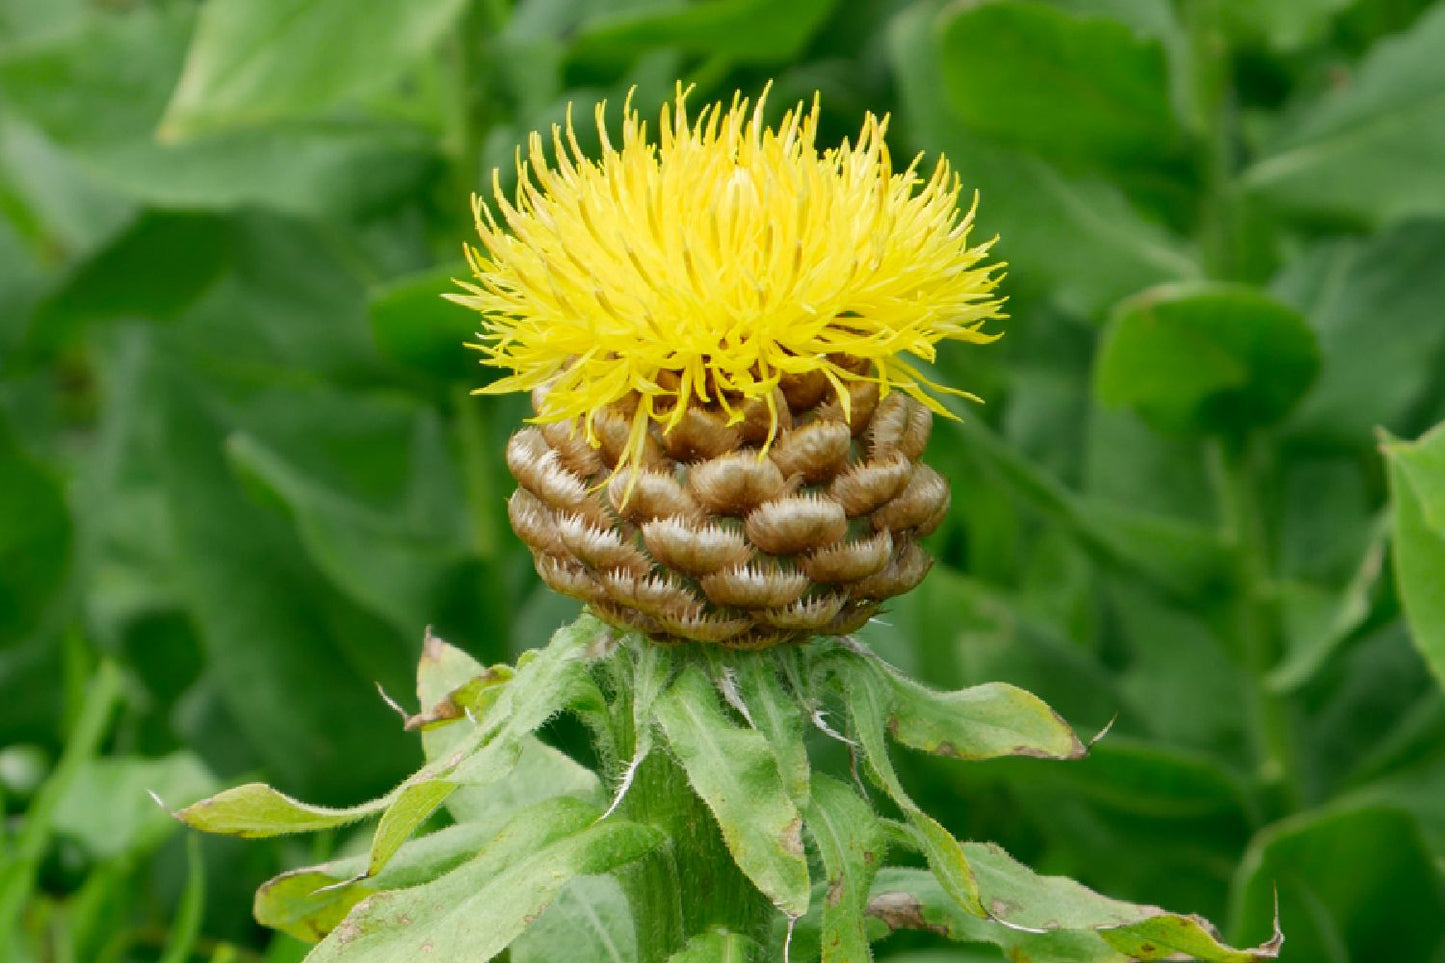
[1417,480]
[1206,358]
[259,61]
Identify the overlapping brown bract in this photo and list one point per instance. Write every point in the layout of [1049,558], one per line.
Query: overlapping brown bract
[705,540]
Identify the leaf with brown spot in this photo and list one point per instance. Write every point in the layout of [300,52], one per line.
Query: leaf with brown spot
[849,837]
[735,772]
[474,911]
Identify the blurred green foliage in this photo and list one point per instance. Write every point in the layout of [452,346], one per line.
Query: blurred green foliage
[240,472]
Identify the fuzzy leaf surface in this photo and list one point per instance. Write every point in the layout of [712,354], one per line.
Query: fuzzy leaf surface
[776,714]
[850,840]
[255,811]
[477,909]
[1070,923]
[868,702]
[734,771]
[983,722]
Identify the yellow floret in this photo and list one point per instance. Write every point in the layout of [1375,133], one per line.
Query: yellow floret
[701,268]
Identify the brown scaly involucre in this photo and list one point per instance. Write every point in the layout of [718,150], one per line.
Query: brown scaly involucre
[711,543]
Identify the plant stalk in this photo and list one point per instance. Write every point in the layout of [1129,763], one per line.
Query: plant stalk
[692,885]
[1255,619]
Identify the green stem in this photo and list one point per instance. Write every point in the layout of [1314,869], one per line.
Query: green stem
[692,885]
[1255,619]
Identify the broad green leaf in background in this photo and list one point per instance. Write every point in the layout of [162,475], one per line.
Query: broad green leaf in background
[130,820]
[850,841]
[735,773]
[1352,885]
[99,90]
[35,539]
[1286,25]
[1374,305]
[1370,149]
[386,560]
[1067,87]
[269,650]
[1417,487]
[1206,358]
[262,60]
[477,909]
[414,326]
[1077,239]
[749,30]
[120,279]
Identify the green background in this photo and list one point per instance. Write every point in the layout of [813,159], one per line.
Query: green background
[240,470]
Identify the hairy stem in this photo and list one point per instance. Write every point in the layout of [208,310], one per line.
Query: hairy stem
[692,885]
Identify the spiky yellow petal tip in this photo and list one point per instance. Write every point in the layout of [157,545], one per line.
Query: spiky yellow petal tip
[700,269]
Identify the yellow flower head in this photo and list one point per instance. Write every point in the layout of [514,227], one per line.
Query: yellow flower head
[701,268]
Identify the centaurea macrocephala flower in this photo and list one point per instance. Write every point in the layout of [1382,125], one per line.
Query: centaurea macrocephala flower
[717,330]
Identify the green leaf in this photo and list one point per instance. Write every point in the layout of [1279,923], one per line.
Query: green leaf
[1205,358]
[851,843]
[407,811]
[399,563]
[253,61]
[1417,490]
[777,715]
[714,946]
[1077,240]
[868,698]
[1374,306]
[272,629]
[477,909]
[35,540]
[309,902]
[540,772]
[589,922]
[547,682]
[1034,76]
[1351,884]
[982,722]
[1285,26]
[119,280]
[100,89]
[414,326]
[1369,149]
[130,821]
[1049,919]
[734,771]
[256,811]
[1150,780]
[752,31]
